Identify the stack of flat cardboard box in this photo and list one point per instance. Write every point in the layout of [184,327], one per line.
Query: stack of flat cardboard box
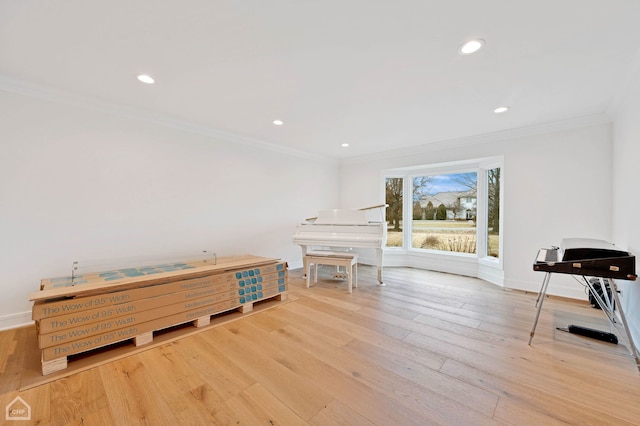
[96,310]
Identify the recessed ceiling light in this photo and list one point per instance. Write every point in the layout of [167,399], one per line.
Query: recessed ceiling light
[146,79]
[501,109]
[471,46]
[344,145]
[278,122]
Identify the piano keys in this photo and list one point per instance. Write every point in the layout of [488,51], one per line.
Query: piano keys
[344,228]
[600,260]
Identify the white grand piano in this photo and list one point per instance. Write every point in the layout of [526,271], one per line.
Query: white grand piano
[344,228]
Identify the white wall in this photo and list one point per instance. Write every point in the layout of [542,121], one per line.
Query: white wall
[557,184]
[80,184]
[626,198]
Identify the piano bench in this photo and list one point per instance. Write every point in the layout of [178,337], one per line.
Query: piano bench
[349,261]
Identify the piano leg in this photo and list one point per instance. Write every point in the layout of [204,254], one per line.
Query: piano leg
[543,292]
[379,261]
[304,263]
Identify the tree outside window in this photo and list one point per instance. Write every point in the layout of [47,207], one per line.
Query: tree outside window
[493,212]
[394,198]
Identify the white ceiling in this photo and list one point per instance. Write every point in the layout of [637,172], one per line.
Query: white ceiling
[377,74]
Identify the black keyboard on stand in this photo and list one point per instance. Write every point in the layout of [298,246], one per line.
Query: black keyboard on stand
[590,258]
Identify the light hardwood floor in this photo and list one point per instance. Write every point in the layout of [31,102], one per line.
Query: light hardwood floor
[427,348]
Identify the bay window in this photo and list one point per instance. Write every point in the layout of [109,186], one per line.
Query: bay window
[446,209]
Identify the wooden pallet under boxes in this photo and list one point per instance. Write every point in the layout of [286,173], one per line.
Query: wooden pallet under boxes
[99,309]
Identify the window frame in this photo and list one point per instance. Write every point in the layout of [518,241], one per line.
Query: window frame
[411,178]
[481,166]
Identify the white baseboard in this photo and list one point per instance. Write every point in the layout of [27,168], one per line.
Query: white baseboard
[295,264]
[492,275]
[15,320]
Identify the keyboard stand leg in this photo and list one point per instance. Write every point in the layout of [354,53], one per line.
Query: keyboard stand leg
[605,304]
[634,351]
[543,292]
[541,288]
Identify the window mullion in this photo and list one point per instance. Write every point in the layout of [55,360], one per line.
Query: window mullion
[481,215]
[407,228]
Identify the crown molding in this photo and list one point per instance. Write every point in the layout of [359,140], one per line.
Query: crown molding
[502,135]
[124,111]
[85,102]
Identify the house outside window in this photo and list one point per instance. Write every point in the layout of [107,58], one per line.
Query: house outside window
[451,225]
